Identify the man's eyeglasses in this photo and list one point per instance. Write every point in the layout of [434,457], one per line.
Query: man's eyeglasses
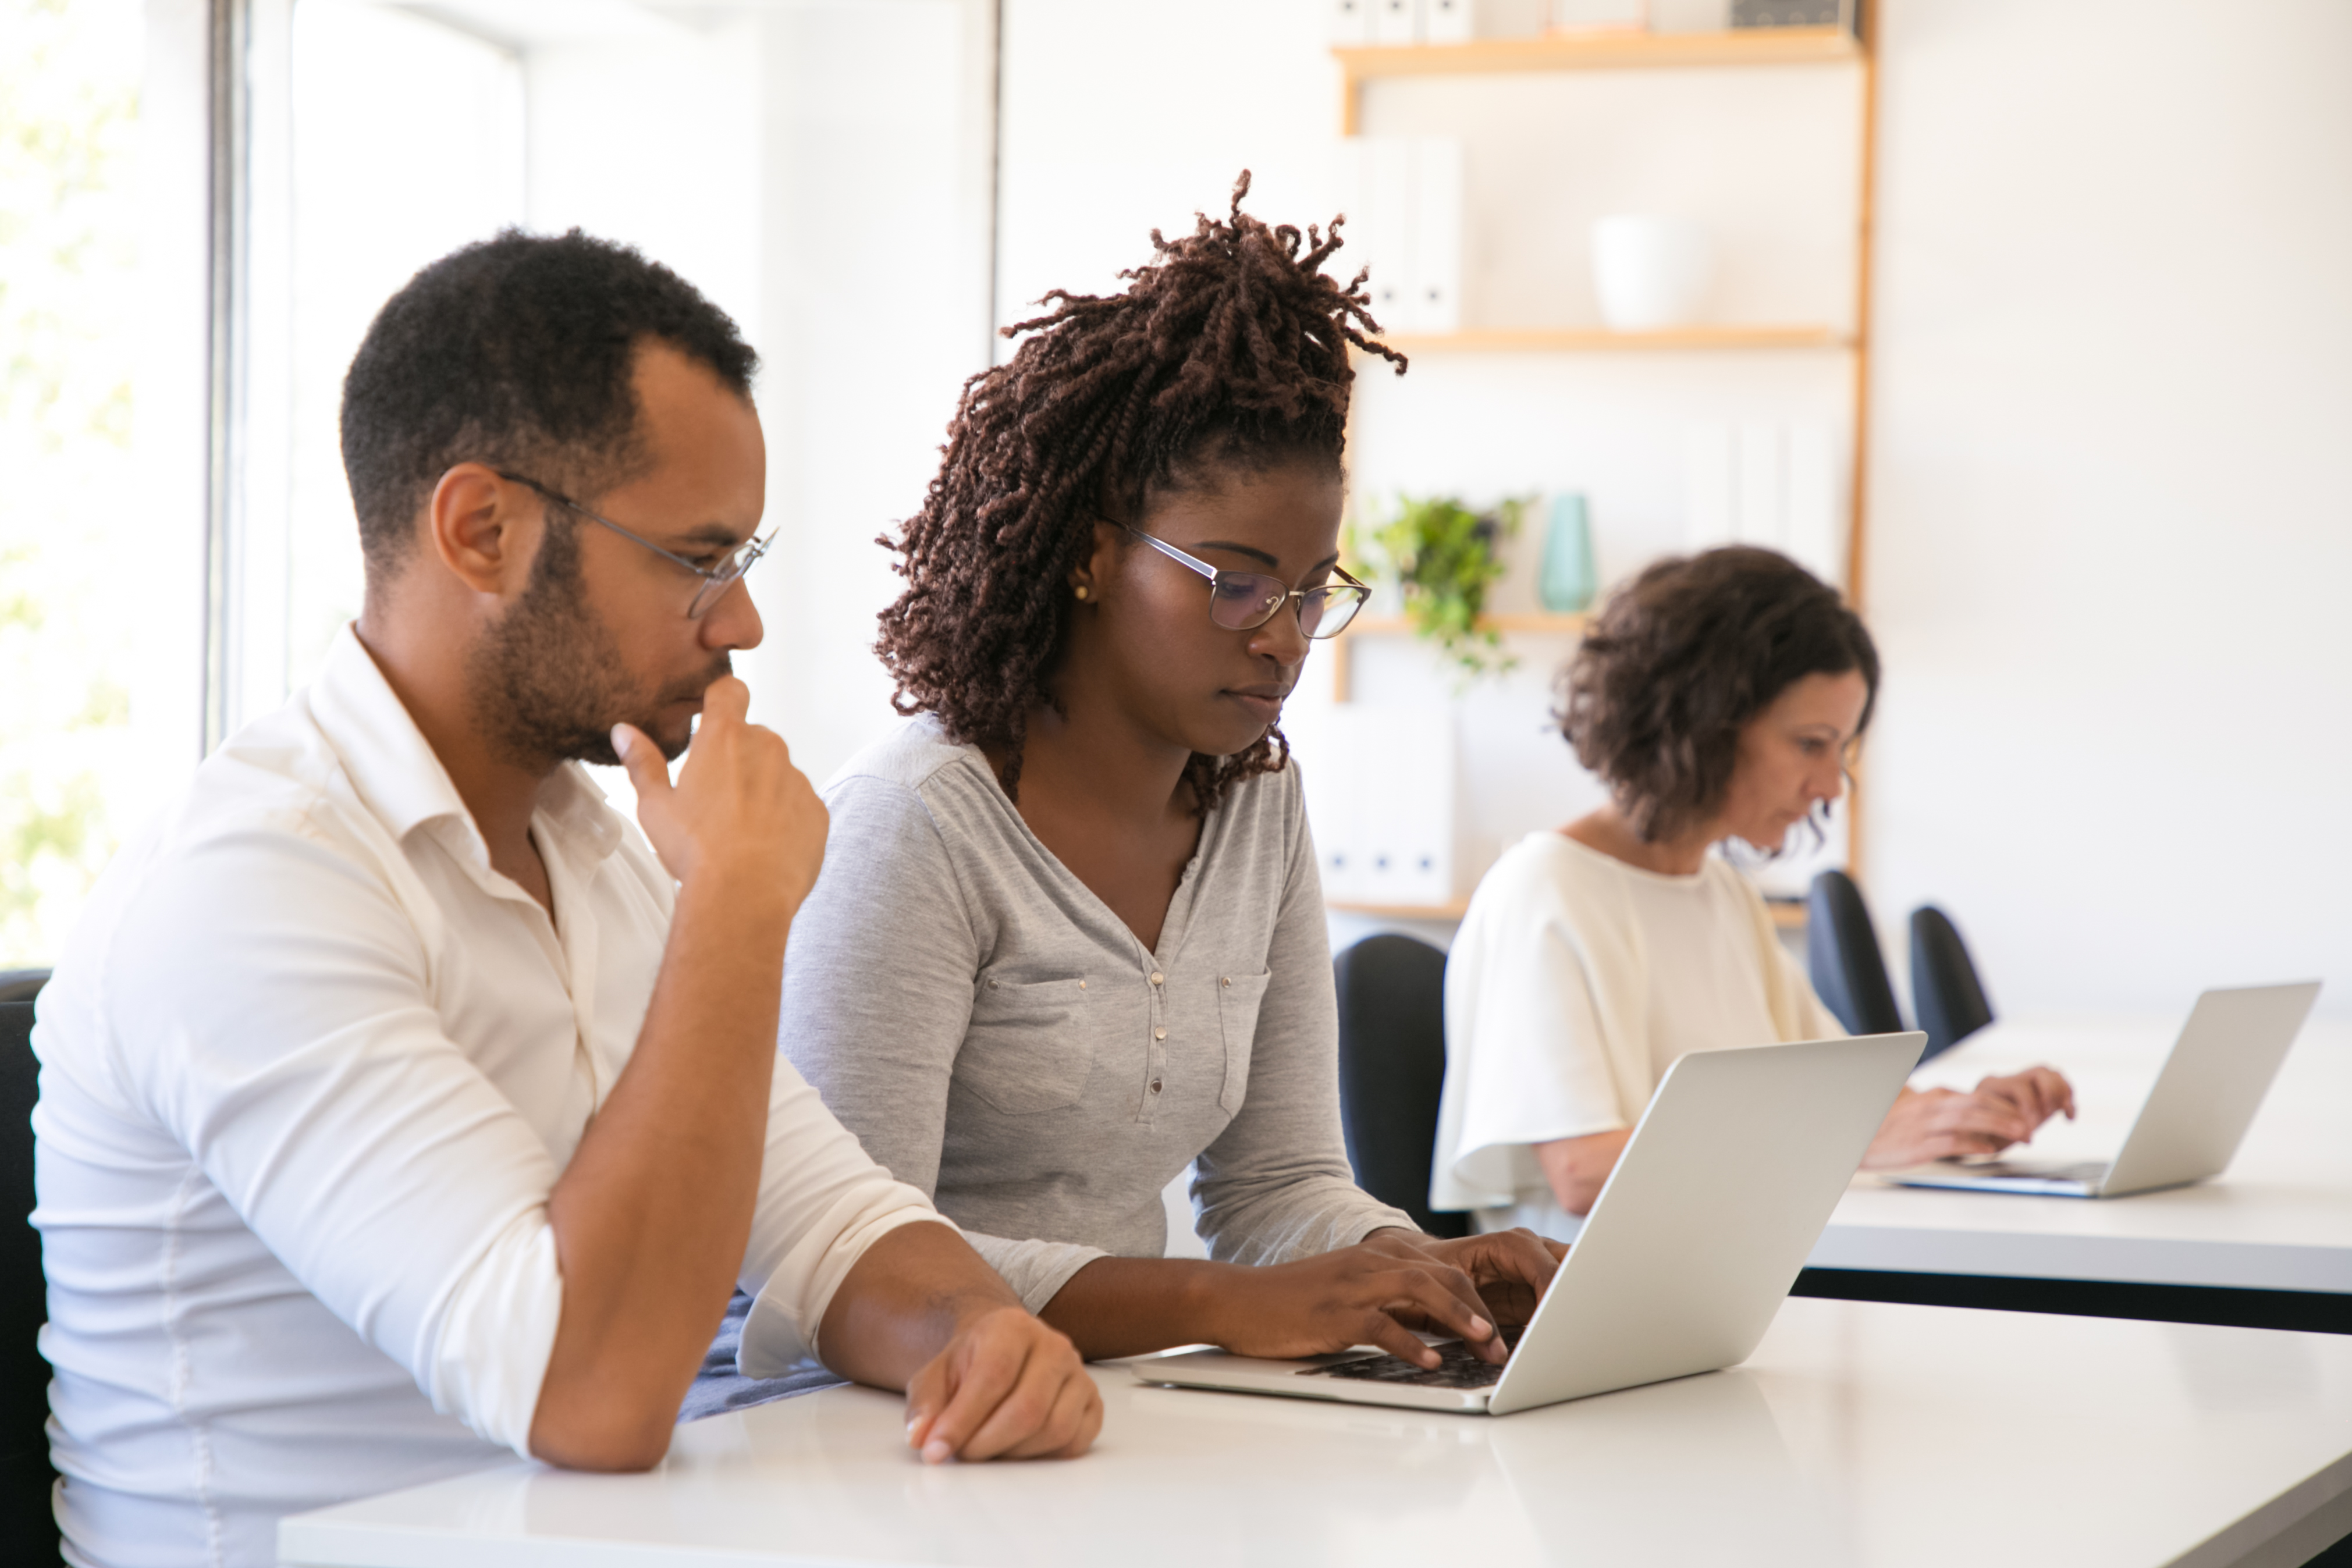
[716,579]
[1242,600]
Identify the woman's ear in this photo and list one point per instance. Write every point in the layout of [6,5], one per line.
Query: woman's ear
[1087,578]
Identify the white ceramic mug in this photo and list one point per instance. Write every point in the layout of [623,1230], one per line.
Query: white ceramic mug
[1651,273]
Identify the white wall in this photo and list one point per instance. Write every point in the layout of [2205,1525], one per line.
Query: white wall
[2111,466]
[872,309]
[2111,519]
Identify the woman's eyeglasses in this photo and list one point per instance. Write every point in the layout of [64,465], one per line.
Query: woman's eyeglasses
[1242,600]
[716,579]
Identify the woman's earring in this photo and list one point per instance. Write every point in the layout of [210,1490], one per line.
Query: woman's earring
[1082,590]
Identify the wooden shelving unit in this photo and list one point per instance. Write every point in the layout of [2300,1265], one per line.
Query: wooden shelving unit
[1590,51]
[1622,51]
[1595,340]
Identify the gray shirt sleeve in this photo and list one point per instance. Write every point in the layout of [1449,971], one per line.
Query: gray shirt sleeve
[878,999]
[1276,1186]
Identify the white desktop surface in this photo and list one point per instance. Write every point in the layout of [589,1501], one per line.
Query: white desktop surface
[2279,1218]
[1860,1434]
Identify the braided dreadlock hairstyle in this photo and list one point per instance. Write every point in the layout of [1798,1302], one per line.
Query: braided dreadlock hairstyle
[1229,349]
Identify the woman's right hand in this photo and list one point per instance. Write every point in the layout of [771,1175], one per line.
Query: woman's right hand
[1946,1124]
[1356,1295]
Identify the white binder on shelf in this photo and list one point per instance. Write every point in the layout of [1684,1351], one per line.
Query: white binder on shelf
[1459,21]
[1763,499]
[1397,21]
[1710,487]
[1600,15]
[1436,275]
[1816,523]
[1380,789]
[1351,23]
[1402,199]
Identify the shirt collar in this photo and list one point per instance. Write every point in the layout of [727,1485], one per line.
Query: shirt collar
[399,775]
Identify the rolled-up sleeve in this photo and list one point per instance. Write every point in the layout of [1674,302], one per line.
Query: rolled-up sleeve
[823,1202]
[289,1042]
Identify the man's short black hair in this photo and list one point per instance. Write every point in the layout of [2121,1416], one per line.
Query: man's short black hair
[516,351]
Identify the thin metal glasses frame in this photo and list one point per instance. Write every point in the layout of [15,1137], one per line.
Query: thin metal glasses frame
[1333,594]
[716,581]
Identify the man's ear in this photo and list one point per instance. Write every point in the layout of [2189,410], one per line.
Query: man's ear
[484,529]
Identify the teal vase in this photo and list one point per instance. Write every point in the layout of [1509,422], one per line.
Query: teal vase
[1567,582]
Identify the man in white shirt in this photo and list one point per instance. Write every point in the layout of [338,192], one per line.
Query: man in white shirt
[400,1113]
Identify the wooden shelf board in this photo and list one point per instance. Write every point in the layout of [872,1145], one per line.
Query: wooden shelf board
[1787,916]
[1595,340]
[1631,48]
[1397,625]
[1453,910]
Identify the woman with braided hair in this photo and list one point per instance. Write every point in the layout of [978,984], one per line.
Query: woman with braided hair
[1070,939]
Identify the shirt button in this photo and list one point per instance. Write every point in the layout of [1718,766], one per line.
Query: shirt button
[1159,1034]
[1157,977]
[1155,1086]
[1224,980]
[1082,984]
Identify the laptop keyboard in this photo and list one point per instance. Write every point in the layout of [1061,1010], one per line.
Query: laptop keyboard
[1458,1366]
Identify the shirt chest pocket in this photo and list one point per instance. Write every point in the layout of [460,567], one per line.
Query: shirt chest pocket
[1030,1046]
[1238,1000]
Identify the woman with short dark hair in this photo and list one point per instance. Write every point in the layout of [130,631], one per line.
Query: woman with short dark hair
[1717,695]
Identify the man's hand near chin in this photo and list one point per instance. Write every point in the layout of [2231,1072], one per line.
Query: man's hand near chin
[984,1379]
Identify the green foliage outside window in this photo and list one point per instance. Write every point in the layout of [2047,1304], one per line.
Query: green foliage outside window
[68,294]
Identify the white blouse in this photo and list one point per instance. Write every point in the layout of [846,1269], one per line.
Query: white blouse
[1575,982]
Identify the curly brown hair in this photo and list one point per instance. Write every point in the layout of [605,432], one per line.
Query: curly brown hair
[1229,350]
[1682,657]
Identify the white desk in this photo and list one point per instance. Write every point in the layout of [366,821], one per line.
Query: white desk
[2279,1218]
[1860,1434]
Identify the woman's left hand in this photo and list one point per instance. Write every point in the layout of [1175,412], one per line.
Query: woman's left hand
[2038,1093]
[1943,1123]
[1512,1269]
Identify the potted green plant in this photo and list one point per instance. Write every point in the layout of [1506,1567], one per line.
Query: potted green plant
[1443,557]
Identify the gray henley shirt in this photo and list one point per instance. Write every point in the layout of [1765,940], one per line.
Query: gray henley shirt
[997,1038]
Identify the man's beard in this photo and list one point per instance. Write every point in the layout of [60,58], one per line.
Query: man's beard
[547,679]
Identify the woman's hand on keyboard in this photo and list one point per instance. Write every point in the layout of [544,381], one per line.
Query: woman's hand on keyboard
[1376,1293]
[1511,1268]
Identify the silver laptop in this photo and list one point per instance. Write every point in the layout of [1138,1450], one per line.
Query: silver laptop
[2193,1119]
[1689,1249]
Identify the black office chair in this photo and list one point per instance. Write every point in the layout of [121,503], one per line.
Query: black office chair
[1391,1070]
[1946,994]
[25,1520]
[1841,950]
[22,984]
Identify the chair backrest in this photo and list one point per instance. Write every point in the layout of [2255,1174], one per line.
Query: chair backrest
[1841,950]
[22,984]
[1946,994]
[24,1474]
[1391,1070]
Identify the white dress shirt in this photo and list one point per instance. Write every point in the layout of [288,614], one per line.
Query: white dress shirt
[309,1070]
